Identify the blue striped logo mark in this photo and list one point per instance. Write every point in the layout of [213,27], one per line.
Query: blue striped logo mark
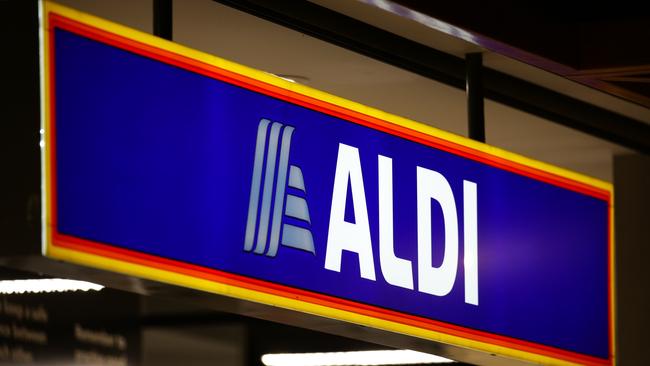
[277,192]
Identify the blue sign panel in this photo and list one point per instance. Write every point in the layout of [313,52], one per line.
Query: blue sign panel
[161,160]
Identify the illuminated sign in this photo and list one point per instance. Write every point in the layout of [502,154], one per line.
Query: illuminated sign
[173,165]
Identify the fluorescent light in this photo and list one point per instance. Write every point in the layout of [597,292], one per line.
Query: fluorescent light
[386,357]
[46,285]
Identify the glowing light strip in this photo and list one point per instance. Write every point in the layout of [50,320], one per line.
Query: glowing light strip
[386,357]
[46,285]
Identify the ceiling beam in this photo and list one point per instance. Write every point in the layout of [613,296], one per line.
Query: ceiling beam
[352,34]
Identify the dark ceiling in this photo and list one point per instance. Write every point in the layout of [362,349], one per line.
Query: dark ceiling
[603,45]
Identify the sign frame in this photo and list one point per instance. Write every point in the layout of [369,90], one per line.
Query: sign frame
[59,246]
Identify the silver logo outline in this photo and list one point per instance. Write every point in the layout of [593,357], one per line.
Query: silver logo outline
[276,202]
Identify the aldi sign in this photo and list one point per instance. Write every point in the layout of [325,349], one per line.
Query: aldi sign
[173,165]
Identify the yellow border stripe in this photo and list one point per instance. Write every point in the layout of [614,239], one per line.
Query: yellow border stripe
[320,95]
[287,303]
[173,278]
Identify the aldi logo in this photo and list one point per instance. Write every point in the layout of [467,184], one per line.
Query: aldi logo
[269,200]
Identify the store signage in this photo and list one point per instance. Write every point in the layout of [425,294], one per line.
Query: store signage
[173,165]
[70,328]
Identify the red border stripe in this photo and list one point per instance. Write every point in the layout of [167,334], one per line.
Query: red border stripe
[322,106]
[271,288]
[214,72]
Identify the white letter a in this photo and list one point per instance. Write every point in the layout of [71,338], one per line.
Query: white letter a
[343,235]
